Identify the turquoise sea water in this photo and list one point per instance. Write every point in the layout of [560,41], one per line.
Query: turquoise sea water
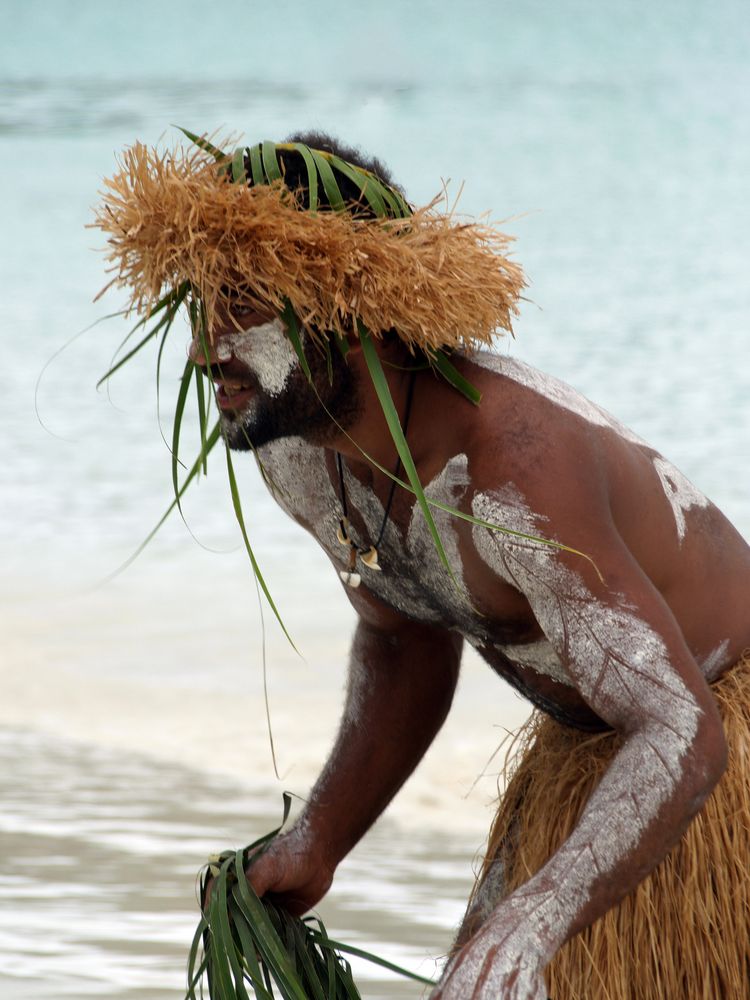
[614,138]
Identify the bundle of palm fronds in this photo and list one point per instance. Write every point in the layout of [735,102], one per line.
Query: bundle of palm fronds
[247,947]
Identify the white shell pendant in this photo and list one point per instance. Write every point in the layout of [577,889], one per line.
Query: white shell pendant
[370,559]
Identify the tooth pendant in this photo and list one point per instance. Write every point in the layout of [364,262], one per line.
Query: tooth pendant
[350,578]
[370,559]
[342,532]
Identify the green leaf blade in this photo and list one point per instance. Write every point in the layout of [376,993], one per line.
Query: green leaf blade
[256,165]
[270,161]
[330,185]
[237,505]
[289,317]
[312,175]
[239,175]
[394,426]
[182,395]
[203,144]
[369,188]
[454,377]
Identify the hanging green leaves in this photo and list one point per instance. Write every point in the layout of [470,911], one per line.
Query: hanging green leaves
[394,426]
[251,947]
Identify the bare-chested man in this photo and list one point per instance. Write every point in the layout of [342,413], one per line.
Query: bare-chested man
[625,634]
[628,638]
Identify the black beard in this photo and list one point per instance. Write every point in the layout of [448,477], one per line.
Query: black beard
[301,409]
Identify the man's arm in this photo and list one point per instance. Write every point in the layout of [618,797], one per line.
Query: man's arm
[402,677]
[624,652]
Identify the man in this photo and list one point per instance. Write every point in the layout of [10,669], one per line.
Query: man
[619,626]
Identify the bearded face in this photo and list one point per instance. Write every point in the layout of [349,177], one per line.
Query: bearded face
[263,394]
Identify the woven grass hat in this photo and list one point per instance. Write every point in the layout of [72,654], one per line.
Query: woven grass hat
[339,246]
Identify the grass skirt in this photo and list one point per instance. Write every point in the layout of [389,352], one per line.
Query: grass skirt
[684,933]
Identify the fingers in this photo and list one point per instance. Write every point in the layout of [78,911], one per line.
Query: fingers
[262,874]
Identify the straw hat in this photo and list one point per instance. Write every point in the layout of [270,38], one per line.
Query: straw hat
[227,224]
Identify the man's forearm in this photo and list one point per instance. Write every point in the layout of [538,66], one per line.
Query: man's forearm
[638,812]
[401,684]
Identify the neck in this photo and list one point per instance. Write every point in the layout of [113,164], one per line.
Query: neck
[369,433]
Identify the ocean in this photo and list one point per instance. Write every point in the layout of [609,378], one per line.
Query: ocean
[613,139]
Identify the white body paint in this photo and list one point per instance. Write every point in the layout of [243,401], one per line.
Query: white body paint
[265,350]
[539,656]
[356,692]
[412,579]
[612,656]
[618,660]
[680,492]
[557,392]
[598,638]
[716,660]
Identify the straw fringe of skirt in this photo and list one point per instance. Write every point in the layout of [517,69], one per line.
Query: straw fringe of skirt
[684,933]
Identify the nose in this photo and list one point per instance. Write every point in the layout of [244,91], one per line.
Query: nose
[215,352]
[204,352]
[198,356]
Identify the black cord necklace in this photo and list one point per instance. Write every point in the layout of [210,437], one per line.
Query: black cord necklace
[369,556]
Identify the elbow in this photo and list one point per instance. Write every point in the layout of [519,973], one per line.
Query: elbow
[714,745]
[709,758]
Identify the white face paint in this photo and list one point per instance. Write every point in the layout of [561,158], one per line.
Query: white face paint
[680,492]
[265,350]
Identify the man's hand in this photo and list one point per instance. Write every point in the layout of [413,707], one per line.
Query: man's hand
[488,969]
[293,870]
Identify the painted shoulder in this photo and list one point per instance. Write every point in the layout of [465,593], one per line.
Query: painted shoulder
[554,390]
[680,493]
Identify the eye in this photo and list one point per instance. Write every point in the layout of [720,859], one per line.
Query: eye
[247,315]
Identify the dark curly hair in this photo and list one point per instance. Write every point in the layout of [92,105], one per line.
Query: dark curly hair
[295,172]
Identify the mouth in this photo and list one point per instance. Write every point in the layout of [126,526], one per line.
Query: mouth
[233,396]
